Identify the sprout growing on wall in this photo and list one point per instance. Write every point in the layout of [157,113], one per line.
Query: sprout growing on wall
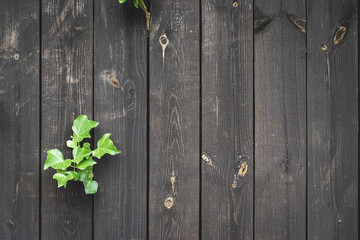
[81,166]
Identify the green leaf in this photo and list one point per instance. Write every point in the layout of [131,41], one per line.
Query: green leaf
[54,156]
[136,3]
[86,163]
[105,145]
[62,165]
[86,146]
[71,144]
[81,127]
[122,1]
[62,179]
[90,187]
[75,175]
[87,174]
[79,153]
[60,171]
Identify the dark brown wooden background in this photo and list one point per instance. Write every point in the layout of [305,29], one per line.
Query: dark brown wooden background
[241,123]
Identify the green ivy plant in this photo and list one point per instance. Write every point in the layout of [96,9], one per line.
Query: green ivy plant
[142,5]
[81,166]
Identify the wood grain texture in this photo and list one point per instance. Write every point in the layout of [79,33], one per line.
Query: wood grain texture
[120,207]
[227,120]
[66,93]
[174,120]
[332,93]
[19,119]
[280,122]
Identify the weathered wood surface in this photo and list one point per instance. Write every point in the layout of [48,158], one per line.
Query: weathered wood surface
[174,120]
[227,120]
[19,120]
[120,97]
[67,88]
[332,94]
[280,120]
[236,120]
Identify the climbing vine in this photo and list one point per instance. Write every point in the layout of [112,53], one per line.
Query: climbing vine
[141,4]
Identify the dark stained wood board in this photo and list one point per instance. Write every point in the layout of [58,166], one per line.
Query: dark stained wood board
[120,97]
[280,120]
[67,91]
[332,93]
[227,120]
[174,121]
[19,119]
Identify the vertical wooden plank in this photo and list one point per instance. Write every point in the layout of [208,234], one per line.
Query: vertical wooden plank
[332,65]
[280,119]
[174,120]
[227,120]
[121,108]
[19,119]
[66,93]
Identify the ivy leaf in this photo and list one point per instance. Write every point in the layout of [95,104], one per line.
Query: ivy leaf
[90,187]
[81,127]
[79,153]
[87,174]
[62,165]
[54,156]
[136,3]
[86,146]
[62,179]
[71,144]
[60,171]
[122,1]
[75,175]
[105,145]
[86,163]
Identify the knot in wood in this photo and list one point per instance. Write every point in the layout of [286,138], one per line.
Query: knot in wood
[339,35]
[11,225]
[131,91]
[243,169]
[235,4]
[324,47]
[114,82]
[16,56]
[206,158]
[164,40]
[169,202]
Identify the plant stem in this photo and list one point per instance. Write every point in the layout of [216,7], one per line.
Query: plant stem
[143,7]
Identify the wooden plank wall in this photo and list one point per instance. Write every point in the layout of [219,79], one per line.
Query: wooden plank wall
[19,120]
[120,101]
[66,93]
[227,120]
[174,101]
[332,95]
[280,120]
[237,120]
